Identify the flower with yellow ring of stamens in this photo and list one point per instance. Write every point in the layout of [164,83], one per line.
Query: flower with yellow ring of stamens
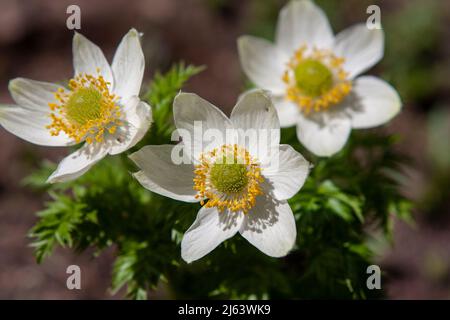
[229,177]
[242,179]
[87,110]
[100,106]
[316,81]
[314,76]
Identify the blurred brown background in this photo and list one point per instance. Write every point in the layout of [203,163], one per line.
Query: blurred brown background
[35,43]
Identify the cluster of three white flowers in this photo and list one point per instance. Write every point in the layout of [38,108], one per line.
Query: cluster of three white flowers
[311,78]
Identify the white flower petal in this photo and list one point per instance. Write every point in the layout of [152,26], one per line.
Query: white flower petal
[128,66]
[303,23]
[161,175]
[270,227]
[287,173]
[209,229]
[88,58]
[33,95]
[360,47]
[325,134]
[78,163]
[190,111]
[263,63]
[256,120]
[138,117]
[31,126]
[375,103]
[288,112]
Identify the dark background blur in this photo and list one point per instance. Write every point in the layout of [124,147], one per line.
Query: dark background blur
[35,43]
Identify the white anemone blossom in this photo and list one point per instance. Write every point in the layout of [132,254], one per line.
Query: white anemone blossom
[99,107]
[313,76]
[243,184]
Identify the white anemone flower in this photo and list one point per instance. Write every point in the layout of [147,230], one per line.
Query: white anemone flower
[100,107]
[313,76]
[242,184]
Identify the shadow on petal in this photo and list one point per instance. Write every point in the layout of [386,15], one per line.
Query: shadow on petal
[229,220]
[264,214]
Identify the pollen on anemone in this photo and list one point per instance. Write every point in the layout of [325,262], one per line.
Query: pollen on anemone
[242,183]
[313,77]
[100,106]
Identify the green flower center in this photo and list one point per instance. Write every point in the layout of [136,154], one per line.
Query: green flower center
[313,78]
[229,177]
[84,105]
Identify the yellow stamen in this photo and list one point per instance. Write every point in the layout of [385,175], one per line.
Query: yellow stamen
[316,80]
[229,178]
[86,110]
